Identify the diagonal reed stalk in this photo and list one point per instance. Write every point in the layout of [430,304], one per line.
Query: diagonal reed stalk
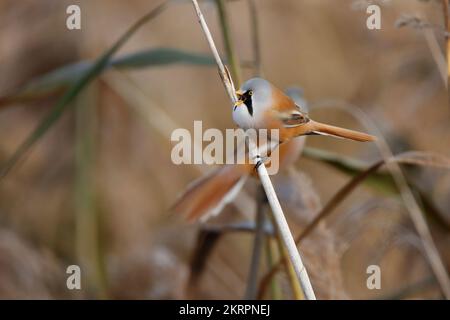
[233,60]
[417,217]
[326,210]
[260,216]
[271,256]
[446,8]
[293,281]
[415,158]
[65,101]
[279,217]
[256,43]
[252,282]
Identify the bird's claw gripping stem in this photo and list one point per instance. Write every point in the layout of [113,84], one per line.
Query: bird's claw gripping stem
[260,161]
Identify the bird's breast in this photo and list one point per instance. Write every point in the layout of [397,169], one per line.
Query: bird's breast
[243,119]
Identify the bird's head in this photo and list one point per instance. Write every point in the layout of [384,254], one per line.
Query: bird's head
[255,95]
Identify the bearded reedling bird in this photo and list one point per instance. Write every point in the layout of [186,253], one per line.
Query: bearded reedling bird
[260,106]
[263,106]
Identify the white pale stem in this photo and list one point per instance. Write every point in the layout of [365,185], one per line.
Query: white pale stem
[222,71]
[279,217]
[283,226]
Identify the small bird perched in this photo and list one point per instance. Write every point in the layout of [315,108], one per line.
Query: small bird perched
[263,106]
[260,106]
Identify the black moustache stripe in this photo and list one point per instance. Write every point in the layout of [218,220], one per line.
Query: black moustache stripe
[248,103]
[249,107]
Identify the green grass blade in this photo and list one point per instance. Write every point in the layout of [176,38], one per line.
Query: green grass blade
[48,83]
[62,78]
[380,181]
[162,56]
[74,90]
[418,158]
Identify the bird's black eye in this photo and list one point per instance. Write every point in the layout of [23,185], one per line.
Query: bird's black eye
[250,93]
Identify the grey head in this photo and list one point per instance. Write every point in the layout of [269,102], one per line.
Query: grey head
[255,96]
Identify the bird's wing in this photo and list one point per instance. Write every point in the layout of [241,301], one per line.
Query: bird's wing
[292,118]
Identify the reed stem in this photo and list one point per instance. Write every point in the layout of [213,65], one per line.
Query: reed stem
[280,219]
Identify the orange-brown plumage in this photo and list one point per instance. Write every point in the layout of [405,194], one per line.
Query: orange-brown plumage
[205,194]
[262,106]
[286,116]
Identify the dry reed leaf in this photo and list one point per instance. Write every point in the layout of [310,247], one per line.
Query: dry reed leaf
[411,157]
[420,158]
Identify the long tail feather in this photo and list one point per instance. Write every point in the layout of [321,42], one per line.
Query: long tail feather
[325,129]
[210,193]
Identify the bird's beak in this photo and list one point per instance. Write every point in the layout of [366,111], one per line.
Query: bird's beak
[238,103]
[239,94]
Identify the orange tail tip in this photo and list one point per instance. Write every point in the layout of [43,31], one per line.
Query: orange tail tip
[325,129]
[209,194]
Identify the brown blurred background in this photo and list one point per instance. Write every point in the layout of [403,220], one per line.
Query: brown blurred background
[106,209]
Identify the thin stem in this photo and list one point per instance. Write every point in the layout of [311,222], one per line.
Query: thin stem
[283,227]
[227,39]
[255,37]
[87,238]
[293,281]
[280,219]
[275,292]
[326,210]
[445,5]
[337,199]
[295,285]
[256,44]
[414,210]
[60,106]
[222,70]
[436,53]
[251,290]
